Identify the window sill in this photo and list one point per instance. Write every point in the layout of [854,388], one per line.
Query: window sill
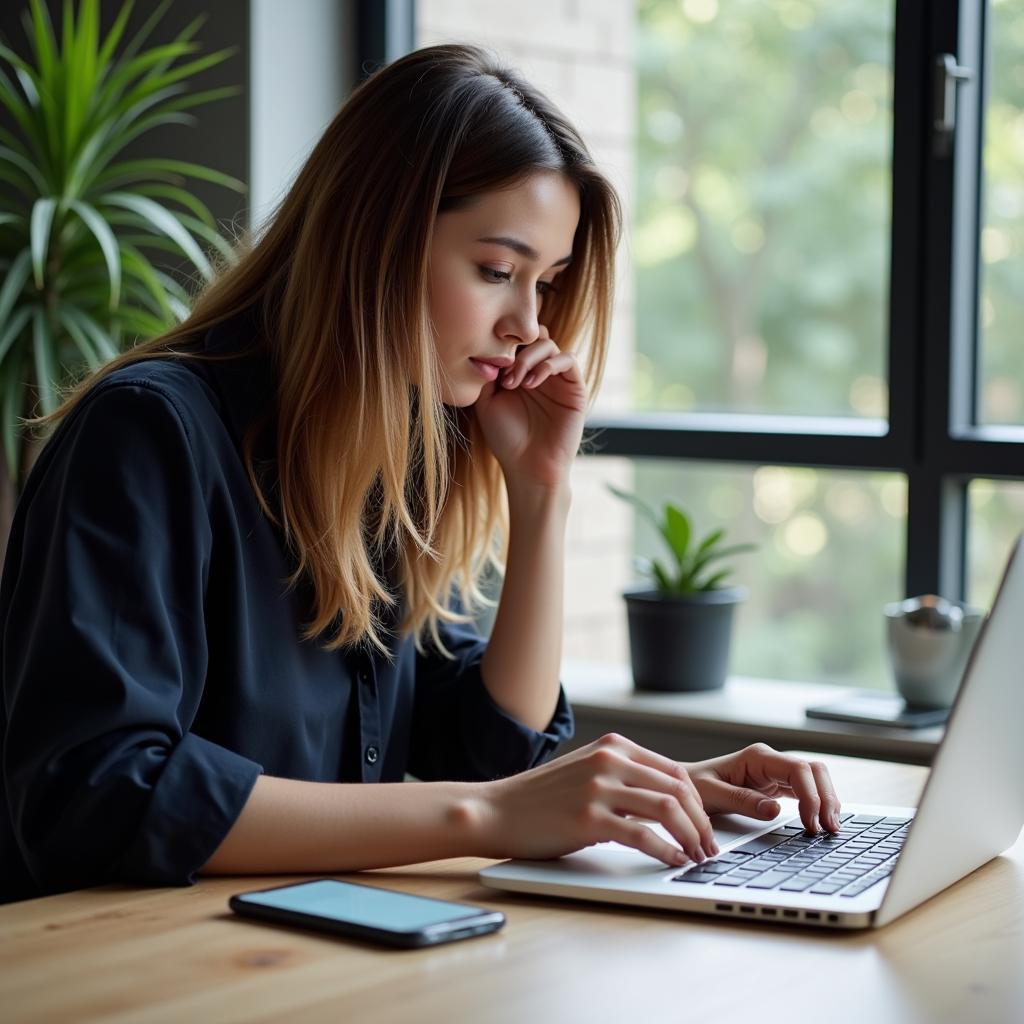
[692,726]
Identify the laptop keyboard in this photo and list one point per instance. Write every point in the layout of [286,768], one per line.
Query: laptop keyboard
[788,859]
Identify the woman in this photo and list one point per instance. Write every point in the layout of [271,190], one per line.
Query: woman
[239,575]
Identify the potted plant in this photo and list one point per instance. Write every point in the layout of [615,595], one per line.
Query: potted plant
[76,217]
[681,629]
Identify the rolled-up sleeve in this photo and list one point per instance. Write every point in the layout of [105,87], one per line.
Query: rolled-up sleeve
[105,654]
[459,732]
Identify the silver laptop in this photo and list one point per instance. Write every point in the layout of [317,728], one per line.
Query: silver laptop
[885,861]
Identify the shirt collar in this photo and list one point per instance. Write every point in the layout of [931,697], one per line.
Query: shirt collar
[245,383]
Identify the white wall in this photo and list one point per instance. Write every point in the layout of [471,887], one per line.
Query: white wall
[302,68]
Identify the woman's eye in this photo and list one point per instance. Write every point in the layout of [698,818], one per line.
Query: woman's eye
[495,275]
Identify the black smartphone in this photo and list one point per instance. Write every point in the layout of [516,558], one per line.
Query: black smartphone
[879,709]
[366,912]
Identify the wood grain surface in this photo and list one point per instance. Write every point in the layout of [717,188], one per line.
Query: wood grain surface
[121,953]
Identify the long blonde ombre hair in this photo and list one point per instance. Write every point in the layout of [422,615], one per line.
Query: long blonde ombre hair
[370,463]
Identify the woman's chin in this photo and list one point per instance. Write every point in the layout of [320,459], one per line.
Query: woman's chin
[462,396]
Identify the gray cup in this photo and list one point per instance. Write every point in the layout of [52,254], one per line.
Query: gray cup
[930,640]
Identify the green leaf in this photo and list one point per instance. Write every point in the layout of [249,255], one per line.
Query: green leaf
[161,168]
[79,337]
[14,283]
[12,399]
[676,530]
[712,583]
[662,578]
[710,541]
[12,329]
[114,36]
[108,245]
[32,172]
[638,503]
[42,222]
[179,195]
[10,99]
[47,373]
[99,338]
[45,44]
[143,271]
[163,222]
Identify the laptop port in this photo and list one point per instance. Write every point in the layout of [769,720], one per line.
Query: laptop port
[723,906]
[770,911]
[812,915]
[833,917]
[747,910]
[791,913]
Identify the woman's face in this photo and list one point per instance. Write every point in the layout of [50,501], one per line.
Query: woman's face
[490,264]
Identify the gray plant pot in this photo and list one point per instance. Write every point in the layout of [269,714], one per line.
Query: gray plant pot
[680,643]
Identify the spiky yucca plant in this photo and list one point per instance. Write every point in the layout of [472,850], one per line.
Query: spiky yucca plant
[690,571]
[74,219]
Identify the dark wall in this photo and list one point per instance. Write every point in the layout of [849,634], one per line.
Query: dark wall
[220,138]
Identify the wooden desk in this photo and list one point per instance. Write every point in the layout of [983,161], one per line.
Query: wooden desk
[178,955]
[692,726]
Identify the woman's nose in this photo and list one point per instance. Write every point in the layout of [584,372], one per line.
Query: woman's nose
[522,322]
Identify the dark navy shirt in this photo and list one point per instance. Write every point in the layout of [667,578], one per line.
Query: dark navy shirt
[152,664]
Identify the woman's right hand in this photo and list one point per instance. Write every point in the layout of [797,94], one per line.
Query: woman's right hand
[593,795]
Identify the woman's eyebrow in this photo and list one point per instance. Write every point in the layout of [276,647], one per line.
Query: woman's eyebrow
[523,249]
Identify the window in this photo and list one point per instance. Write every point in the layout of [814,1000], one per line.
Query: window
[816,325]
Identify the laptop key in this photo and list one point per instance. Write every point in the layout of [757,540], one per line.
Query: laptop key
[769,880]
[713,867]
[826,888]
[732,857]
[695,876]
[797,884]
[759,845]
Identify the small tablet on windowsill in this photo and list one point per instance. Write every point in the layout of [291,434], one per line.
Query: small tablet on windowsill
[879,709]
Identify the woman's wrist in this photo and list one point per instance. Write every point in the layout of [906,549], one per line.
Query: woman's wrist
[531,500]
[477,820]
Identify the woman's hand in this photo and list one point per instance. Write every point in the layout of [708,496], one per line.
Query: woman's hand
[587,796]
[746,783]
[532,416]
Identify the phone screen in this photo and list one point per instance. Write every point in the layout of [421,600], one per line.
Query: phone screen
[361,904]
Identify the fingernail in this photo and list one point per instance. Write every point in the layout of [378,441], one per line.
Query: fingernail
[679,857]
[528,380]
[767,807]
[508,382]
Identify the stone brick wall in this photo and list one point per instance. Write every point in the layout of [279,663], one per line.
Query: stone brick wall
[580,53]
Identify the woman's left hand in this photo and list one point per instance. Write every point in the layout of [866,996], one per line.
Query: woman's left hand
[532,416]
[746,783]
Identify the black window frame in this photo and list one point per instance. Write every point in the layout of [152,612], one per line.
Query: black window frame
[931,437]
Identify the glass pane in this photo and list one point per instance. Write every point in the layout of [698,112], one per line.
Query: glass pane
[830,555]
[996,510]
[1002,233]
[762,220]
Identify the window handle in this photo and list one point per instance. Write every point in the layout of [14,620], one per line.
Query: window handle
[948,74]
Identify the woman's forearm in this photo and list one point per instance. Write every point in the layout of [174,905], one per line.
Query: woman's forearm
[521,664]
[292,826]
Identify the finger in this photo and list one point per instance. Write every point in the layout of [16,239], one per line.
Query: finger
[662,808]
[526,359]
[830,806]
[723,796]
[563,364]
[640,837]
[680,788]
[764,763]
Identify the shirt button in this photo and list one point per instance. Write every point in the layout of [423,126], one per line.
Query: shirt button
[371,755]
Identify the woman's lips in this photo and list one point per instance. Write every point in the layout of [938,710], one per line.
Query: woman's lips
[486,370]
